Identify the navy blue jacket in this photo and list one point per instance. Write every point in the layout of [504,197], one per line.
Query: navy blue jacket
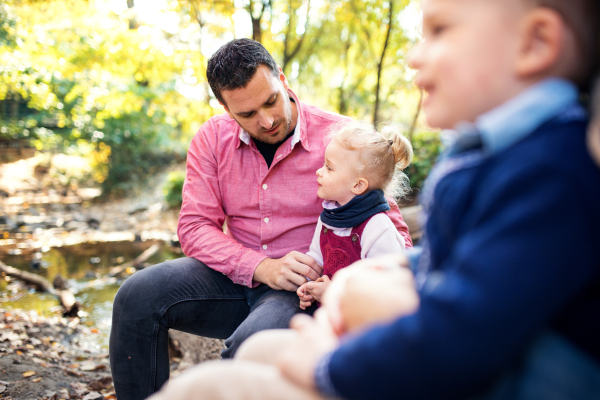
[515,250]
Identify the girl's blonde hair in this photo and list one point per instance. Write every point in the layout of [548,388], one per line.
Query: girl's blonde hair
[384,153]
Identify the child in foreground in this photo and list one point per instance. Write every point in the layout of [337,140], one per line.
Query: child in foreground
[361,166]
[508,281]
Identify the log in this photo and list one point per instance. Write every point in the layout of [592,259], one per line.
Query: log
[41,283]
[195,349]
[64,295]
[138,262]
[411,216]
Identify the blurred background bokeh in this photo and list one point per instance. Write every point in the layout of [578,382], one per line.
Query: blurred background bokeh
[122,83]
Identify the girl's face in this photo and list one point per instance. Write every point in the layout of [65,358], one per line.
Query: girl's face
[337,177]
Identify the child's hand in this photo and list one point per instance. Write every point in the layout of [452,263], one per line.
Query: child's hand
[370,292]
[318,287]
[305,297]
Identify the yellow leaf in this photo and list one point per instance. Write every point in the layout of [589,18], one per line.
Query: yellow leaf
[36,380]
[28,374]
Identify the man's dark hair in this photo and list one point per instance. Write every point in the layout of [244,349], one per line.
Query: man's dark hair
[235,63]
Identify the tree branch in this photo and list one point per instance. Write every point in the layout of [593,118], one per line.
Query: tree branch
[380,66]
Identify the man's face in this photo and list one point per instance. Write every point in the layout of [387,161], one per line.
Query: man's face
[466,60]
[263,107]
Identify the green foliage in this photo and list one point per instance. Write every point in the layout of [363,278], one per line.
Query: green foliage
[95,79]
[173,188]
[426,147]
[85,77]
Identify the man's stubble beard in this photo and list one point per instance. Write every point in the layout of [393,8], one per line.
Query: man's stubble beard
[281,135]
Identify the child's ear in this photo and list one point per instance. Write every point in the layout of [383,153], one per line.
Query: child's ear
[360,186]
[542,41]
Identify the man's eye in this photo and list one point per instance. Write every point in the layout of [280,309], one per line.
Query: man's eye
[272,102]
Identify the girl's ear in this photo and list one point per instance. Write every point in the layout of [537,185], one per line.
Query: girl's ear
[361,186]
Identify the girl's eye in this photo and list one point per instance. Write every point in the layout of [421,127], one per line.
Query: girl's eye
[328,167]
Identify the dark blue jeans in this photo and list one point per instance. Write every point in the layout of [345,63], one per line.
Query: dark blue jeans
[186,295]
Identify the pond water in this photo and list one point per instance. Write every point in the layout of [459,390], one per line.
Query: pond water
[80,264]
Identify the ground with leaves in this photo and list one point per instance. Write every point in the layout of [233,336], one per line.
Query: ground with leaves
[48,358]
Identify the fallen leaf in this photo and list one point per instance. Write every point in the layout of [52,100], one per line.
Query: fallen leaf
[19,352]
[72,373]
[92,396]
[73,366]
[94,330]
[36,380]
[2,388]
[100,384]
[28,374]
[111,397]
[79,388]
[87,366]
[30,346]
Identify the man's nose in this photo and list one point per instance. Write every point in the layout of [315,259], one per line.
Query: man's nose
[265,119]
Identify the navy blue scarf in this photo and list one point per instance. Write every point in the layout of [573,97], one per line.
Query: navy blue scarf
[356,211]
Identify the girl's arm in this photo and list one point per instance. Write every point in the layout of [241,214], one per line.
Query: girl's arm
[380,237]
[314,250]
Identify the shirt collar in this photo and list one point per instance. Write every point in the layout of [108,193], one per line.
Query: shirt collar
[508,123]
[299,132]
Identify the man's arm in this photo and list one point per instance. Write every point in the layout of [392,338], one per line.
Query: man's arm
[398,221]
[200,228]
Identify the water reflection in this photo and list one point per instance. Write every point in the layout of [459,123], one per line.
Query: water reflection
[80,264]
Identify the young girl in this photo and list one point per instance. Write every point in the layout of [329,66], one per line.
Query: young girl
[361,165]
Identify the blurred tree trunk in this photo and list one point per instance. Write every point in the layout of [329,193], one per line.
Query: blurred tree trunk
[256,20]
[132,22]
[288,53]
[380,65]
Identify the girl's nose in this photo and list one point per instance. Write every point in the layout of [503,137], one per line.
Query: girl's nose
[319,171]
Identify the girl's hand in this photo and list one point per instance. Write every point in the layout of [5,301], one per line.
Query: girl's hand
[318,288]
[305,298]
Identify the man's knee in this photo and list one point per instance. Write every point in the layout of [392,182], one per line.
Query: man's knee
[141,288]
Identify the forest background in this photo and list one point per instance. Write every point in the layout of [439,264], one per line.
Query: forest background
[124,83]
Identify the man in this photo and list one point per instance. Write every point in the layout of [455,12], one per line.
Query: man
[252,171]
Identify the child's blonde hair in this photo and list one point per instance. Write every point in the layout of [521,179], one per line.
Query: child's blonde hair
[384,153]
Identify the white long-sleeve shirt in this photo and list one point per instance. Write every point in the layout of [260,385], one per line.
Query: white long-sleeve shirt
[379,237]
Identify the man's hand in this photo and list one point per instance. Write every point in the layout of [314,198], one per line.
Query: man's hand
[288,272]
[298,361]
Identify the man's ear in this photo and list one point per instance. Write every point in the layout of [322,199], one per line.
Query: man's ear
[283,79]
[541,44]
[360,186]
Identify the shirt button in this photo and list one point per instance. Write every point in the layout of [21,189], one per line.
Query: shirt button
[266,220]
[264,246]
[265,186]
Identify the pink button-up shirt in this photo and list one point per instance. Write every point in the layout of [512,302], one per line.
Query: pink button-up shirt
[268,212]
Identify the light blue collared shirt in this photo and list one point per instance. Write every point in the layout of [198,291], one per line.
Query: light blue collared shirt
[519,116]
